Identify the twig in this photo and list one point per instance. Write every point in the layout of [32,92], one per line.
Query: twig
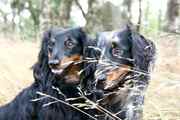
[101,109]
[80,7]
[61,101]
[134,69]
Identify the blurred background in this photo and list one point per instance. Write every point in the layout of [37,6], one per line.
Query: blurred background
[22,23]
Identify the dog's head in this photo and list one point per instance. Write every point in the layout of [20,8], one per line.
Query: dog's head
[123,52]
[62,53]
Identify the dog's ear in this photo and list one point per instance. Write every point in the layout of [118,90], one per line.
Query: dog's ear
[44,46]
[143,54]
[90,56]
[143,51]
[83,36]
[42,64]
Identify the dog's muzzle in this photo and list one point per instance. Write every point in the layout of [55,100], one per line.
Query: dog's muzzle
[110,79]
[67,68]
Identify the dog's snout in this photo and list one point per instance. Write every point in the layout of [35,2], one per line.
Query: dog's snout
[53,62]
[102,77]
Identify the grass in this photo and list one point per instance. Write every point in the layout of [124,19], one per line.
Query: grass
[162,98]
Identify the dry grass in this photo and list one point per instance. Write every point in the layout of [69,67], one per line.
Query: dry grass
[16,59]
[162,98]
[163,95]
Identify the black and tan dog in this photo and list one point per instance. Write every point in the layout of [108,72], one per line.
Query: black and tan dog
[123,71]
[59,70]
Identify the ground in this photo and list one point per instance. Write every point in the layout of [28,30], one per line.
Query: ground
[162,100]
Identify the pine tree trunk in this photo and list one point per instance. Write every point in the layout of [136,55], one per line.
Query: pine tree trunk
[64,12]
[128,5]
[45,17]
[173,7]
[140,16]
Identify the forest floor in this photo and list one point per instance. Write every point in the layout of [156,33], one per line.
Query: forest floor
[162,100]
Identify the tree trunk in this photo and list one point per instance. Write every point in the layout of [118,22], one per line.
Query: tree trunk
[127,5]
[100,17]
[45,17]
[172,14]
[64,12]
[140,16]
[34,14]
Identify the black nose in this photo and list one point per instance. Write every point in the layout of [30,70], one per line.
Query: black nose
[53,63]
[102,77]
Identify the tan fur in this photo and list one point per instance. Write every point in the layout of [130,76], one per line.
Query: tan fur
[116,76]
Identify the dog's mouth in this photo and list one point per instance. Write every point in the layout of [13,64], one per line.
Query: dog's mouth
[59,69]
[114,77]
[68,70]
[70,74]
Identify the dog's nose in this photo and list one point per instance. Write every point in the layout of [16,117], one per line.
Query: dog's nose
[102,77]
[53,63]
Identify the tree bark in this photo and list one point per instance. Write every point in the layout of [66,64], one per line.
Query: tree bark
[98,17]
[140,16]
[35,12]
[45,17]
[128,4]
[64,12]
[173,7]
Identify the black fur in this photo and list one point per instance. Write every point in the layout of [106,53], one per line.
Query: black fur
[139,53]
[24,108]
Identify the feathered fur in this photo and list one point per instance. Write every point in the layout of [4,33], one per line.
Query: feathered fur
[127,101]
[28,106]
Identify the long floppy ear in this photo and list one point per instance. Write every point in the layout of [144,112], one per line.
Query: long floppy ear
[41,66]
[90,55]
[143,53]
[83,37]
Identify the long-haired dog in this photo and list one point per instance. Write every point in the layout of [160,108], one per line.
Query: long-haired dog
[60,68]
[123,71]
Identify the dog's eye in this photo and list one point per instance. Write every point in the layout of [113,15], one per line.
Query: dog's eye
[69,44]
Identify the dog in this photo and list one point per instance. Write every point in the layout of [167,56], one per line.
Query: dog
[123,71]
[60,70]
